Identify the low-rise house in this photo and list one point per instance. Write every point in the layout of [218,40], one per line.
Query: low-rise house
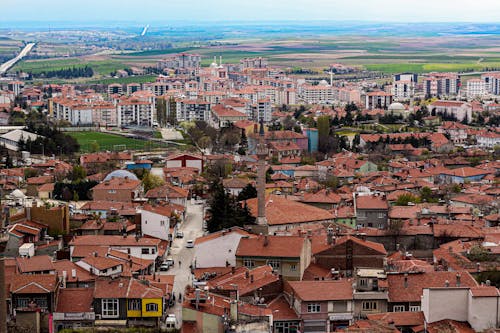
[156,221]
[127,301]
[118,189]
[462,175]
[474,305]
[322,306]
[283,214]
[101,266]
[325,199]
[170,193]
[289,256]
[74,309]
[370,292]
[257,285]
[371,211]
[347,253]
[35,265]
[218,249]
[406,290]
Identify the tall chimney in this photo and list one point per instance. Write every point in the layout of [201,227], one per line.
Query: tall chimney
[261,180]
[406,280]
[329,236]
[458,276]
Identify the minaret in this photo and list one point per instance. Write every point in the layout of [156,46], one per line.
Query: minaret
[262,226]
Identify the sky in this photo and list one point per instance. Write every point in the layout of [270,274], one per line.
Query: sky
[193,11]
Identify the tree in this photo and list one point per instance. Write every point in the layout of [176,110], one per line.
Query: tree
[269,173]
[323,133]
[204,142]
[405,199]
[426,195]
[94,147]
[248,192]
[77,174]
[151,181]
[225,211]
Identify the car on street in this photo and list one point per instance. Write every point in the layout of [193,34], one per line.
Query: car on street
[179,234]
[164,266]
[169,261]
[190,244]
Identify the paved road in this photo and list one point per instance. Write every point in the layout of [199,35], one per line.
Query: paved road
[8,64]
[192,229]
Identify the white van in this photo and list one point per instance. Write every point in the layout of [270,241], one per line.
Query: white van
[190,244]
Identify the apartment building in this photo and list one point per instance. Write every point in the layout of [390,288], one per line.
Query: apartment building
[180,61]
[317,94]
[476,88]
[441,84]
[378,100]
[492,82]
[192,110]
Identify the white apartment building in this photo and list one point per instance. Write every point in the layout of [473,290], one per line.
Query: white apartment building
[322,93]
[460,110]
[260,110]
[492,82]
[403,90]
[488,139]
[476,88]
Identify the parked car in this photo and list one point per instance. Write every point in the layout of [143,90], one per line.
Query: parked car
[190,244]
[179,234]
[169,261]
[164,266]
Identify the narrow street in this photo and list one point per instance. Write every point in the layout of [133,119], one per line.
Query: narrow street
[192,229]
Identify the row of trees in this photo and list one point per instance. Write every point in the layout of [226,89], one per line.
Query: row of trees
[64,73]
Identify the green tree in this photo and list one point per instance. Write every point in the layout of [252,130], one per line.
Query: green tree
[405,199]
[323,133]
[426,195]
[77,174]
[94,147]
[225,211]
[151,181]
[248,192]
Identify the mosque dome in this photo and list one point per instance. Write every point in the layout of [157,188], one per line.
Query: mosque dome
[121,174]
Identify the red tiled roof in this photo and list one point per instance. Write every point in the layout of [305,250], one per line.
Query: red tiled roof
[399,318]
[275,246]
[418,281]
[371,202]
[33,284]
[34,264]
[280,210]
[309,291]
[74,300]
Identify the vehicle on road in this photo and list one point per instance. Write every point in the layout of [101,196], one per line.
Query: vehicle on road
[169,261]
[164,266]
[190,244]
[179,234]
[171,322]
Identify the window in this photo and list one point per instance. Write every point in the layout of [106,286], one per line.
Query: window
[22,302]
[109,308]
[361,213]
[398,308]
[134,304]
[414,308]
[145,250]
[151,307]
[381,215]
[275,264]
[285,327]
[362,282]
[313,308]
[293,267]
[369,306]
[112,191]
[248,263]
[153,250]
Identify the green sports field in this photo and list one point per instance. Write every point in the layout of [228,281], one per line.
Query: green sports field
[111,142]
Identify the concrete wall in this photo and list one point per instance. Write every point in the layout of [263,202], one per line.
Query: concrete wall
[483,312]
[215,253]
[57,218]
[151,225]
[445,303]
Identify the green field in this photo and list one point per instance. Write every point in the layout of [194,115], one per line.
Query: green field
[125,80]
[110,141]
[102,67]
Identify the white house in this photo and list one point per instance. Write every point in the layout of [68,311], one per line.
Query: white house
[475,305]
[488,139]
[101,266]
[141,247]
[218,249]
[155,221]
